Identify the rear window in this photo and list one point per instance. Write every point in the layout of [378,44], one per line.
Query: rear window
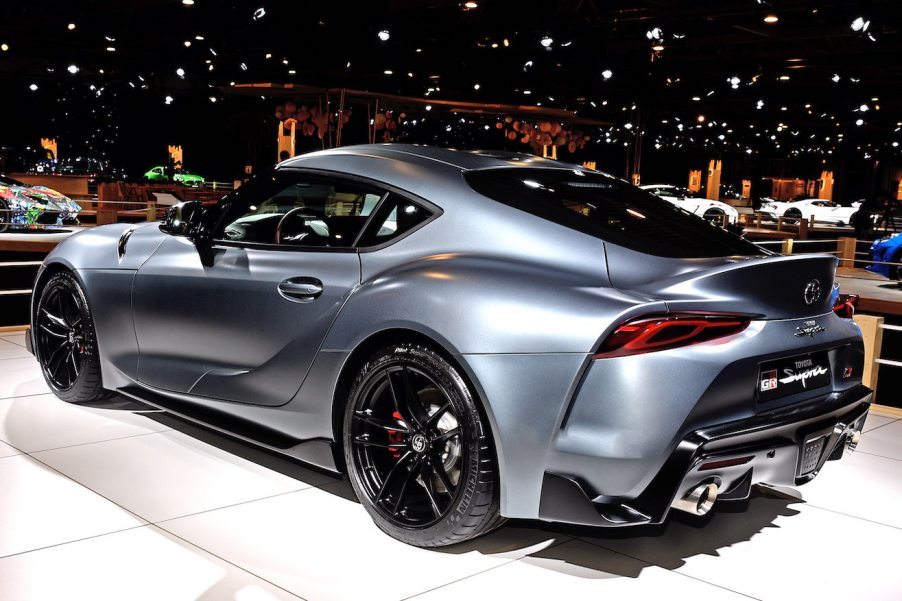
[608,208]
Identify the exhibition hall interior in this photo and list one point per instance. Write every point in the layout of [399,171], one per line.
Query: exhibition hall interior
[433,299]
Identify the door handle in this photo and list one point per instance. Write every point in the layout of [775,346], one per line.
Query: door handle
[301,289]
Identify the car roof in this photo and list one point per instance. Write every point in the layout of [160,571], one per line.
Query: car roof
[464,160]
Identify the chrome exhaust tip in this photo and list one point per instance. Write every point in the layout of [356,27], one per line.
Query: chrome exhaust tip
[852,440]
[699,500]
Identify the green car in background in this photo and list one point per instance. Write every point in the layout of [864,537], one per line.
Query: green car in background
[158,174]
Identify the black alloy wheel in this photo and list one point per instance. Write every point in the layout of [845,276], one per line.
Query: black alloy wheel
[714,216]
[65,342]
[416,449]
[792,216]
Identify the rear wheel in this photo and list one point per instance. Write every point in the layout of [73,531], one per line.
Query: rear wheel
[419,456]
[65,341]
[792,216]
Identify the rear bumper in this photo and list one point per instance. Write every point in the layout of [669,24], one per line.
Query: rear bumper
[769,446]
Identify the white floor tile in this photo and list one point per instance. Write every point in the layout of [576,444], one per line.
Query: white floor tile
[141,564]
[39,507]
[38,423]
[322,546]
[10,350]
[8,451]
[578,570]
[15,337]
[876,420]
[21,377]
[814,554]
[167,474]
[885,441]
[861,485]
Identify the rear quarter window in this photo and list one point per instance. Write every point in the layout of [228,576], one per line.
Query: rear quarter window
[610,209]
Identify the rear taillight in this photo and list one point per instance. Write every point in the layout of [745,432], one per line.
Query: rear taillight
[647,334]
[845,304]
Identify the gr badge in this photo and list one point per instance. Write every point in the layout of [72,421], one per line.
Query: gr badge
[768,380]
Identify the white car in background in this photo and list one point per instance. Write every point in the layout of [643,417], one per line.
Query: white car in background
[825,211]
[709,210]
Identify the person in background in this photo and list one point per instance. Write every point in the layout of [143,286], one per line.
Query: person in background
[864,219]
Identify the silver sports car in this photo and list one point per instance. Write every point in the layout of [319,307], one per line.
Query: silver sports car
[470,336]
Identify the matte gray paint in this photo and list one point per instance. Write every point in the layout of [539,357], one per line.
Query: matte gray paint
[520,303]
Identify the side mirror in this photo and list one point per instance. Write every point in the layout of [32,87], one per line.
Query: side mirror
[183,219]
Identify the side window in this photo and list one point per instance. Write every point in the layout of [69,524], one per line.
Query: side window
[302,211]
[396,217]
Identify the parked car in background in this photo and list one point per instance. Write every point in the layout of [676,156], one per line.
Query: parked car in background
[709,210]
[471,336]
[822,210]
[888,250]
[158,174]
[23,205]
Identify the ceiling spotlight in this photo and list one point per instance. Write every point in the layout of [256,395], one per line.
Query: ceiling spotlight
[4,47]
[188,2]
[73,69]
[388,72]
[71,26]
[700,118]
[111,49]
[383,35]
[33,87]
[658,47]
[168,100]
[213,99]
[607,74]
[864,108]
[476,86]
[546,41]
[859,122]
[860,24]
[187,43]
[784,78]
[835,78]
[771,19]
[655,34]
[470,5]
[180,72]
[259,13]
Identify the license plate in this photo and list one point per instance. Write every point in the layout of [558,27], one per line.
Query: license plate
[784,377]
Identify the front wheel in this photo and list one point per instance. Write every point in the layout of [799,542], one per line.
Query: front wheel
[418,453]
[715,216]
[792,216]
[65,341]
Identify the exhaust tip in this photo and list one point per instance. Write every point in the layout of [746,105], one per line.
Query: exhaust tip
[852,440]
[699,500]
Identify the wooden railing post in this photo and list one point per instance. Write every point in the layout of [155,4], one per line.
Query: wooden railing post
[786,247]
[872,333]
[758,220]
[845,251]
[151,210]
[803,227]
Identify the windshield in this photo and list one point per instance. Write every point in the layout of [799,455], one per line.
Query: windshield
[603,206]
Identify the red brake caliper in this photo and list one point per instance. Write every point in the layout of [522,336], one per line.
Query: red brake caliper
[395,436]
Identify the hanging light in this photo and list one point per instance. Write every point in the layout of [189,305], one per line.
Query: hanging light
[771,19]
[70,26]
[383,35]
[607,74]
[546,42]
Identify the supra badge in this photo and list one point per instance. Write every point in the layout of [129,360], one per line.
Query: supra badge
[810,328]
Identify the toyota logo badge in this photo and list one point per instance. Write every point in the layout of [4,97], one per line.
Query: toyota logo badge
[812,292]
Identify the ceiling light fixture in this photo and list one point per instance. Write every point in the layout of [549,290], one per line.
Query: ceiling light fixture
[771,19]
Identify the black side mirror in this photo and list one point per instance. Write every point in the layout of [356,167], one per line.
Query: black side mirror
[183,219]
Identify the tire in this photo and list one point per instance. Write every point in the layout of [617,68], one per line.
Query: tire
[792,216]
[6,216]
[895,272]
[66,342]
[420,482]
[714,216]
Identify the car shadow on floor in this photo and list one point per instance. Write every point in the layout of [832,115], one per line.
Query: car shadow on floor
[623,552]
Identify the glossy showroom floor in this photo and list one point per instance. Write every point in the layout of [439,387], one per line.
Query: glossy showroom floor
[97,504]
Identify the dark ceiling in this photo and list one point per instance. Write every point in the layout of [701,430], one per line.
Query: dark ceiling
[807,84]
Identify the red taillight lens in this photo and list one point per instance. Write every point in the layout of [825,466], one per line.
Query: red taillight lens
[845,304]
[658,333]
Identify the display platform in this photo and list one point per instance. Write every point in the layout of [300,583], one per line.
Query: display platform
[99,504]
[43,240]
